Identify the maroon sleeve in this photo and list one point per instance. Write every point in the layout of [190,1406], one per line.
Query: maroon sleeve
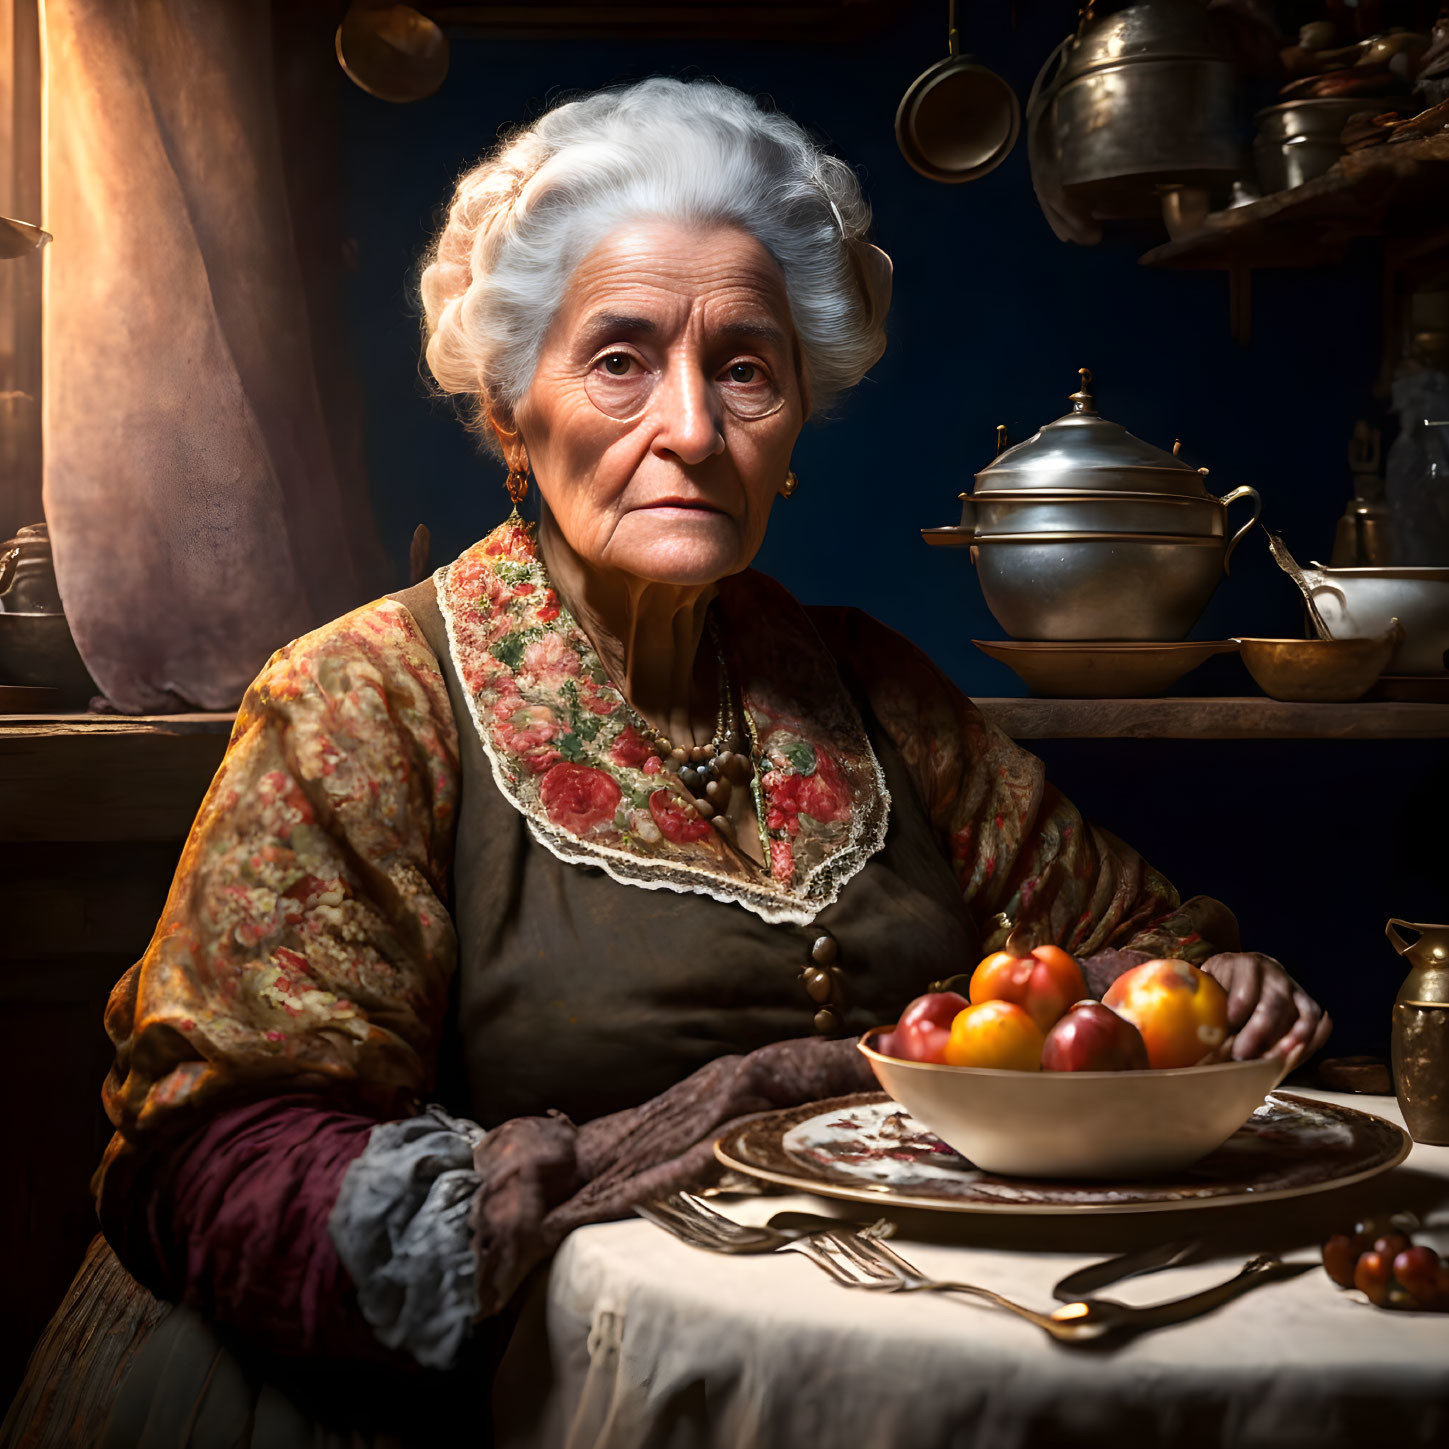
[232,1220]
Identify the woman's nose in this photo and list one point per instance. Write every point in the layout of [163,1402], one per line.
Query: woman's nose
[689,415]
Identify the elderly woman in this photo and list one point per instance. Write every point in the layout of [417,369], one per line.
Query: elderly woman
[597,838]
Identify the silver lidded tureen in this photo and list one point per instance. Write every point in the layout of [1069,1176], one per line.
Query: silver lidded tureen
[1085,532]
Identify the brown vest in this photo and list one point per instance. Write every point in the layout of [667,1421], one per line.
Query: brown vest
[580,993]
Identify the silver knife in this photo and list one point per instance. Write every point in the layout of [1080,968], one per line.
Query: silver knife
[1087,1280]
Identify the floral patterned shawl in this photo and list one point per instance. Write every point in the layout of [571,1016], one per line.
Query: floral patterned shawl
[559,738]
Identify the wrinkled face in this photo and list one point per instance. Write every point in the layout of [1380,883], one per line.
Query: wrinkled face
[665,404]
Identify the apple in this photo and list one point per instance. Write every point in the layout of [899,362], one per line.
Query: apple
[1044,981]
[1093,1038]
[925,1027]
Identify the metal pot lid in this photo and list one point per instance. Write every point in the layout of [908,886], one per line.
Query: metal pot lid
[1082,452]
[1157,30]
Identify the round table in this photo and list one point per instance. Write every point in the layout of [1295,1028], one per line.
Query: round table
[634,1339]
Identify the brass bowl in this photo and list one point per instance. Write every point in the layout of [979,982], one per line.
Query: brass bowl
[1318,670]
[1101,670]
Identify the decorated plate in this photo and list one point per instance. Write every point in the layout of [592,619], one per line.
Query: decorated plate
[868,1149]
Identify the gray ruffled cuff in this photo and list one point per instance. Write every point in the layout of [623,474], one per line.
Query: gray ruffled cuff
[400,1226]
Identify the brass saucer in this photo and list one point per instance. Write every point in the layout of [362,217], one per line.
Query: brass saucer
[1096,669]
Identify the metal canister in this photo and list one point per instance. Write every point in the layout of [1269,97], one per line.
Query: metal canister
[1299,140]
[1420,1040]
[27,575]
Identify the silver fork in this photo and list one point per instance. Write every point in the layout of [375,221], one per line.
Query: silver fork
[854,1259]
[873,1265]
[1084,1319]
[694,1222]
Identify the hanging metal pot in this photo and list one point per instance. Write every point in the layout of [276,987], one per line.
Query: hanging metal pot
[959,119]
[1141,99]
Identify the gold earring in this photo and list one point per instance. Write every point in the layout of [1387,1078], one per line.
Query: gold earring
[791,484]
[517,485]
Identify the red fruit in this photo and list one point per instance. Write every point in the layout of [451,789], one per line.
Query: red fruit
[925,1026]
[1043,983]
[1340,1258]
[1372,1277]
[1417,1272]
[1390,1245]
[1093,1038]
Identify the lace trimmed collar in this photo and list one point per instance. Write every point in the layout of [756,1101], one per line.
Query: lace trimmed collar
[565,754]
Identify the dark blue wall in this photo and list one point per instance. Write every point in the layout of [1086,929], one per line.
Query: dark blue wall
[992,317]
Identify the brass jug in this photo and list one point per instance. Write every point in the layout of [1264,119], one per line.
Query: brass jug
[1420,1043]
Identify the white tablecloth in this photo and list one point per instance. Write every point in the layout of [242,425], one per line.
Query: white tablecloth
[635,1339]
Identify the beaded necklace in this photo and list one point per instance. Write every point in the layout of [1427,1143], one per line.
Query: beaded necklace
[711,771]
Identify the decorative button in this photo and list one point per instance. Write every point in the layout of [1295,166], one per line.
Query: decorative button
[827,1021]
[818,985]
[824,951]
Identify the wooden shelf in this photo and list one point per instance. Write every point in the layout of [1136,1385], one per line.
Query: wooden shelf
[140,778]
[1215,719]
[1399,192]
[106,777]
[78,724]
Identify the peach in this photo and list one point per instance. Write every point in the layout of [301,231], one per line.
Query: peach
[995,1034]
[1181,1012]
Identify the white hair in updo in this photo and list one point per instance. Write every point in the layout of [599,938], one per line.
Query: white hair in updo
[525,216]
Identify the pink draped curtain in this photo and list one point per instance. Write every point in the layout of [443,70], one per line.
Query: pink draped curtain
[203,477]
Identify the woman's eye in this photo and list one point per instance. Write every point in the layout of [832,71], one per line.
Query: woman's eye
[618,383]
[749,391]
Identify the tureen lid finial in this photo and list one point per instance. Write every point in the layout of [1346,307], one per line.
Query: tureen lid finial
[1081,400]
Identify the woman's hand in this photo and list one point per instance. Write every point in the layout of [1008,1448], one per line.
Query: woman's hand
[1271,1013]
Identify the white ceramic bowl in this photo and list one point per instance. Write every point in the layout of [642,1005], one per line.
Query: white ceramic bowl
[1360,603]
[1078,1124]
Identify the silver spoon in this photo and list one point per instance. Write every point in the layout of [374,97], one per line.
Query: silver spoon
[1289,565]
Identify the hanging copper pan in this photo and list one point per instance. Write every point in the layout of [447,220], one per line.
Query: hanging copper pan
[959,119]
[393,52]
